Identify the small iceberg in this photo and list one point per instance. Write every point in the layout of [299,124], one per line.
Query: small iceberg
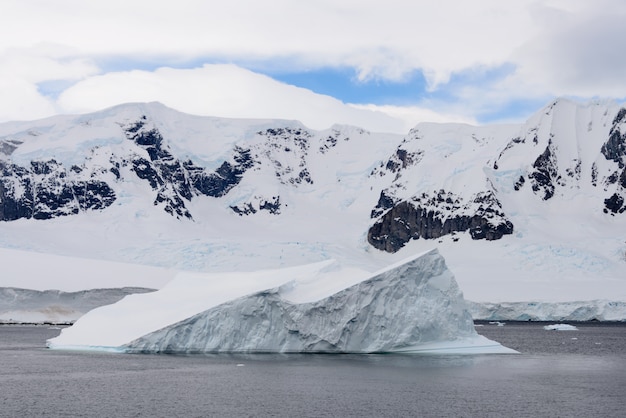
[560,327]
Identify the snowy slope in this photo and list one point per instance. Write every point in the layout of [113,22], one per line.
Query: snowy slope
[40,271]
[530,212]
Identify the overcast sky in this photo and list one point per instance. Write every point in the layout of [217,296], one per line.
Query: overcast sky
[382,65]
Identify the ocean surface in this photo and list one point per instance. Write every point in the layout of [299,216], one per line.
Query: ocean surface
[558,374]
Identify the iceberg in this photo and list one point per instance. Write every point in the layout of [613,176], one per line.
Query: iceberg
[414,306]
[560,327]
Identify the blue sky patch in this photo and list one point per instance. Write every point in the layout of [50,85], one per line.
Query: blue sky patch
[344,85]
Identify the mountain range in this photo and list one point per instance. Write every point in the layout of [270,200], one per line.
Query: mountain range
[531,211]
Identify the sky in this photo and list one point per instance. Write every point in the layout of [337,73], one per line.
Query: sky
[384,66]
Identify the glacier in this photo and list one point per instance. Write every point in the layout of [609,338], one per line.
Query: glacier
[595,310]
[27,306]
[414,306]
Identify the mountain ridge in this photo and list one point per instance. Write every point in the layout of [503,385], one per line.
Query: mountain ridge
[151,185]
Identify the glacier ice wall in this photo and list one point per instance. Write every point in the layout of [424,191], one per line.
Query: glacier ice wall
[406,306]
[54,306]
[594,310]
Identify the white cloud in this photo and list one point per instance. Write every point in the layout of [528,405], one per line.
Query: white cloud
[225,91]
[380,39]
[45,62]
[21,100]
[577,51]
[21,71]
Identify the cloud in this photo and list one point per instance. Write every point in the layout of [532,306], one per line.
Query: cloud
[21,100]
[577,50]
[97,52]
[222,90]
[379,39]
[23,69]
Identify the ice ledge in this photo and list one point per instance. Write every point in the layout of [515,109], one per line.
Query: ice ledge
[99,349]
[472,345]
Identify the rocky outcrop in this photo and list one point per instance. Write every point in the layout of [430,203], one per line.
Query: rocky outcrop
[385,202]
[564,163]
[47,190]
[271,205]
[287,149]
[614,150]
[433,216]
[545,174]
[175,181]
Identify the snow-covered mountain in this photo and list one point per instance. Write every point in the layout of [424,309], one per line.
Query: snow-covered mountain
[520,212]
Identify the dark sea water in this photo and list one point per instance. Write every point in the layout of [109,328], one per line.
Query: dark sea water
[559,374]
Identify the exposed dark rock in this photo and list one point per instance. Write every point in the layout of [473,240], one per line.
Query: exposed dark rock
[620,117]
[93,195]
[246,209]
[45,191]
[402,159]
[173,204]
[303,176]
[227,176]
[614,204]
[612,179]
[177,181]
[385,203]
[116,171]
[16,192]
[511,144]
[150,138]
[431,217]
[272,206]
[281,137]
[545,175]
[146,171]
[329,142]
[614,149]
[7,146]
[53,199]
[136,126]
[575,173]
[295,141]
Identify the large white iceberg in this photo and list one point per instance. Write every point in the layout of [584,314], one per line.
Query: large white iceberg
[412,306]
